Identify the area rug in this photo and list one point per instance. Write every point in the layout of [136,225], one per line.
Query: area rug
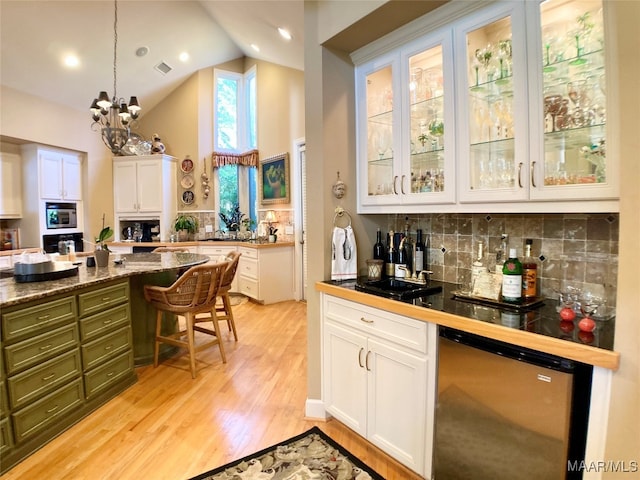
[310,455]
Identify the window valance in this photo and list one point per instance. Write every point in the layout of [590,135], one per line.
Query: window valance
[248,159]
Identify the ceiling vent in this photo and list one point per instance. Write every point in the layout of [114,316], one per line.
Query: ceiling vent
[163,68]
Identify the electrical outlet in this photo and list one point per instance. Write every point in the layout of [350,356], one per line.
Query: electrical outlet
[288,229]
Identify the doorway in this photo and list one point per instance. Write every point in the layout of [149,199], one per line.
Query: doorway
[300,215]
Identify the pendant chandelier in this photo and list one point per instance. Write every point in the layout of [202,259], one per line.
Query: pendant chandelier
[113,117]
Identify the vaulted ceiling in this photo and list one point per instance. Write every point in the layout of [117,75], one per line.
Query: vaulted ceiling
[36,35]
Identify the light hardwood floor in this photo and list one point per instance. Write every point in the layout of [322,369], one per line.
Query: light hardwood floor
[168,426]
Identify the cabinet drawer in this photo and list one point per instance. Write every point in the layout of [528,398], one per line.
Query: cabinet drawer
[33,320]
[248,252]
[96,352]
[38,349]
[5,436]
[4,406]
[98,300]
[249,287]
[248,268]
[96,325]
[39,415]
[100,378]
[389,326]
[215,252]
[38,381]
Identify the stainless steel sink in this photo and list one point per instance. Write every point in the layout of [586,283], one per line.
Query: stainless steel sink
[397,289]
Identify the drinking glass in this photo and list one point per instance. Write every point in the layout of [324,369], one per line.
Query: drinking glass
[589,304]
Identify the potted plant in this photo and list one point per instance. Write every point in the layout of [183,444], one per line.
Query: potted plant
[102,249]
[234,220]
[184,225]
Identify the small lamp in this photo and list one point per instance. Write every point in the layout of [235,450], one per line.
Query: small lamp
[270,218]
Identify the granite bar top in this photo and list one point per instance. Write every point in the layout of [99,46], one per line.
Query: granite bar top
[258,244]
[539,329]
[13,293]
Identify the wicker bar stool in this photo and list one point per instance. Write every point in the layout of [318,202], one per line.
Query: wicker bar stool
[194,292]
[223,307]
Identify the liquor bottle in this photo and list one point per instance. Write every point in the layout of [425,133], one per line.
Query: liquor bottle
[419,258]
[477,267]
[390,257]
[378,247]
[512,279]
[529,272]
[401,259]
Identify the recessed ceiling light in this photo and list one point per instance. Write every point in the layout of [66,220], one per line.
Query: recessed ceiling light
[142,51]
[255,47]
[184,56]
[71,61]
[284,33]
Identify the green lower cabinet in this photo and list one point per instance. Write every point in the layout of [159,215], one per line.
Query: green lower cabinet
[39,415]
[6,436]
[100,378]
[96,352]
[45,378]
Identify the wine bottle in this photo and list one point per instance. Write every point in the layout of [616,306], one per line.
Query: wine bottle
[512,279]
[378,247]
[390,257]
[529,272]
[419,260]
[477,268]
[401,259]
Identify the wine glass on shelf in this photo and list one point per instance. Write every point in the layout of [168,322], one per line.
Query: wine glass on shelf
[577,92]
[552,106]
[577,36]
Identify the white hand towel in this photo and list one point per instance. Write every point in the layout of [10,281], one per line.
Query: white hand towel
[344,258]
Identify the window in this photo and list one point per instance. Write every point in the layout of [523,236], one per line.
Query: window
[235,131]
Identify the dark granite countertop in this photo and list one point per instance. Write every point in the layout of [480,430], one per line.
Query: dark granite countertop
[539,328]
[12,293]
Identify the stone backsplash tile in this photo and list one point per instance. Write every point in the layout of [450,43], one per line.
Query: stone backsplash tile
[575,249]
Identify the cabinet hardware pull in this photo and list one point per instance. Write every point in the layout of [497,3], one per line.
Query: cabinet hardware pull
[106,299]
[44,317]
[360,357]
[533,180]
[110,374]
[108,347]
[366,361]
[51,410]
[395,180]
[45,347]
[402,184]
[107,321]
[365,320]
[520,174]
[48,377]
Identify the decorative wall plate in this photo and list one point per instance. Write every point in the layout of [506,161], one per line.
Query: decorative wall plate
[187,165]
[188,197]
[187,181]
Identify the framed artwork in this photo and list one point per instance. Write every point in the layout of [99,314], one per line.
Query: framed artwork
[274,179]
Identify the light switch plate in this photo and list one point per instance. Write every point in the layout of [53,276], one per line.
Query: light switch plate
[288,229]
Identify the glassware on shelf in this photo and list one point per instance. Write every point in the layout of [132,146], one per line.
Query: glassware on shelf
[552,106]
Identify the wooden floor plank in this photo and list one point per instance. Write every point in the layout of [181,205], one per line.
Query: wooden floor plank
[169,426]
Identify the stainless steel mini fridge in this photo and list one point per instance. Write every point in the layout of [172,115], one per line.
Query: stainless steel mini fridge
[506,412]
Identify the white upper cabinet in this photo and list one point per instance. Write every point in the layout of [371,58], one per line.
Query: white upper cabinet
[502,107]
[139,185]
[60,175]
[405,98]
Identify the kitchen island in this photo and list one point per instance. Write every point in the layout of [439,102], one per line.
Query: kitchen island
[70,345]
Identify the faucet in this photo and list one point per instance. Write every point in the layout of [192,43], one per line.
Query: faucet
[411,277]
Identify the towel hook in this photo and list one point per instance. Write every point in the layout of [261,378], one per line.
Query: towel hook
[339,188]
[340,212]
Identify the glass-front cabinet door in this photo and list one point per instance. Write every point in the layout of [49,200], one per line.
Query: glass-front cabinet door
[378,98]
[428,112]
[404,103]
[569,108]
[491,81]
